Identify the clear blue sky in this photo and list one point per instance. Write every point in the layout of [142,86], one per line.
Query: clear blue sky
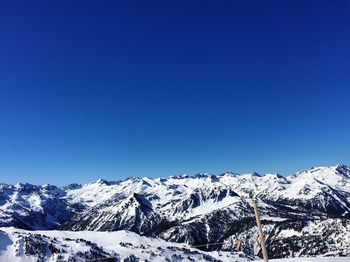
[113,89]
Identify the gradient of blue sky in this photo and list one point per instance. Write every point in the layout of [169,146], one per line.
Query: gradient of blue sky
[112,89]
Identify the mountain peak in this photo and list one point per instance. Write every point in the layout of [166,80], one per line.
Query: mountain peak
[342,166]
[102,181]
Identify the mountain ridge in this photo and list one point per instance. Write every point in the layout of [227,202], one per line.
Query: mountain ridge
[198,209]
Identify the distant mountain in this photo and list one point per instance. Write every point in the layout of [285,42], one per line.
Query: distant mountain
[304,214]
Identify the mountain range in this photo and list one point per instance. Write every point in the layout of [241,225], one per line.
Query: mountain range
[303,214]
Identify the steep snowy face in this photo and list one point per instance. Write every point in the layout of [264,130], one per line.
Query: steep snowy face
[321,189]
[33,207]
[337,177]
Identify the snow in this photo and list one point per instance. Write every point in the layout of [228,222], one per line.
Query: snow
[35,203]
[110,241]
[289,233]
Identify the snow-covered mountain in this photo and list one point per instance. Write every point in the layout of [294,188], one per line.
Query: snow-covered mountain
[306,213]
[33,207]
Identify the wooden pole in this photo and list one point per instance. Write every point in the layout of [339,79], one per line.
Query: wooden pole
[261,234]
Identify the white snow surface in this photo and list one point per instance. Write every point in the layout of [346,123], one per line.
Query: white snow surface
[151,249]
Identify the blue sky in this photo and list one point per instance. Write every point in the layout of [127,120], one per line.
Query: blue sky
[111,89]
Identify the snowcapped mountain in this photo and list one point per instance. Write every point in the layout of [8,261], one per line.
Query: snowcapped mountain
[33,207]
[307,209]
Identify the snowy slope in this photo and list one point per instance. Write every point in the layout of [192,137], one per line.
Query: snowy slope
[20,245]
